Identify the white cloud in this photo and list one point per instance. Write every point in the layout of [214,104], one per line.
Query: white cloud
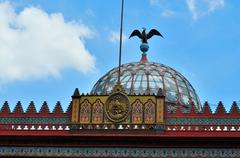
[214,4]
[200,8]
[192,8]
[90,12]
[168,13]
[115,37]
[154,2]
[35,44]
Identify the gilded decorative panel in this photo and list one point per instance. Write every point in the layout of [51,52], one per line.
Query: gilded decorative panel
[149,112]
[117,107]
[137,112]
[119,110]
[85,112]
[97,112]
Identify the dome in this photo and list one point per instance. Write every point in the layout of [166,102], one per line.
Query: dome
[147,78]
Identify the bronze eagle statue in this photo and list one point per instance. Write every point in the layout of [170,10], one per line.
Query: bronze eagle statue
[145,36]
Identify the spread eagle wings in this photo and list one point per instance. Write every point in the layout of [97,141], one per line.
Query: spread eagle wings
[136,33]
[153,32]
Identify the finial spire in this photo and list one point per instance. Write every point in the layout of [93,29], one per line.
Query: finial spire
[144,48]
[76,93]
[144,58]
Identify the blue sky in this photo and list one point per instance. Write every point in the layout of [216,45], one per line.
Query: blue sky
[48,48]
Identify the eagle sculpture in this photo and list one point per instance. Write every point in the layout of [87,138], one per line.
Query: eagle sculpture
[145,36]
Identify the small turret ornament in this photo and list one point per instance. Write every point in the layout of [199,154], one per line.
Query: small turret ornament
[144,38]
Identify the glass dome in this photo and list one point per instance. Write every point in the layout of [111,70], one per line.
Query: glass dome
[147,78]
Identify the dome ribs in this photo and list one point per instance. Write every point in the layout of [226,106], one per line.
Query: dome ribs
[31,109]
[220,111]
[44,109]
[147,77]
[234,111]
[5,110]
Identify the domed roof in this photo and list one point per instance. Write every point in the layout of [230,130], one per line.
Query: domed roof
[146,78]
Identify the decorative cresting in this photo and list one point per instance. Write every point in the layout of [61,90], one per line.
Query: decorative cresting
[208,121]
[117,111]
[30,119]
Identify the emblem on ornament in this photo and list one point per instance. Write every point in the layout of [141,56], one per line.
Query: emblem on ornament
[117,107]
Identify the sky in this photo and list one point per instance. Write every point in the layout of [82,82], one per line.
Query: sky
[49,48]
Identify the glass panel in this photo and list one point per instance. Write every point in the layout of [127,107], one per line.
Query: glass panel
[183,90]
[94,88]
[152,85]
[104,78]
[180,83]
[99,88]
[140,90]
[167,75]
[144,82]
[157,78]
[125,73]
[112,81]
[192,93]
[195,102]
[171,71]
[138,77]
[141,66]
[163,69]
[137,85]
[125,79]
[138,81]
[184,99]
[170,84]
[179,78]
[154,73]
[159,85]
[150,78]
[129,83]
[171,96]
[190,88]
[153,90]
[109,88]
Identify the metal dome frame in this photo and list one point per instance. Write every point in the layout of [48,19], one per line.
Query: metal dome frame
[175,86]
